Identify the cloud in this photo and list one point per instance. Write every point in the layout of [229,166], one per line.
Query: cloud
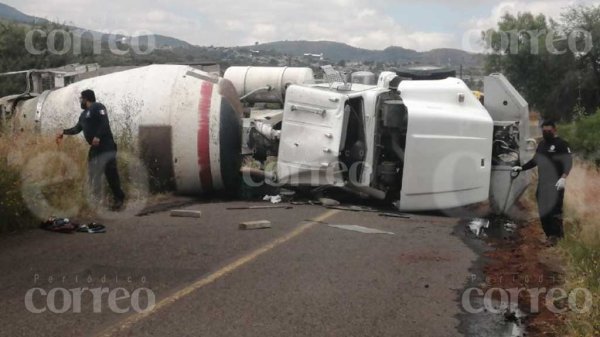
[551,9]
[473,28]
[361,23]
[373,24]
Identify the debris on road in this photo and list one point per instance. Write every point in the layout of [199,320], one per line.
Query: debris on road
[59,225]
[354,209]
[274,199]
[66,226]
[511,316]
[92,228]
[258,207]
[395,215]
[249,225]
[163,206]
[514,316]
[302,203]
[329,202]
[361,229]
[478,225]
[183,213]
[287,195]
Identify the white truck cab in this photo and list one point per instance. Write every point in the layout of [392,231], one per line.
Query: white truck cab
[424,143]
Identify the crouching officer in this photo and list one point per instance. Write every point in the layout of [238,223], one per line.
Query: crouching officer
[554,161]
[102,156]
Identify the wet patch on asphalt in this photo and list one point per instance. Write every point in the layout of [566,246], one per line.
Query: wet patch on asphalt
[476,320]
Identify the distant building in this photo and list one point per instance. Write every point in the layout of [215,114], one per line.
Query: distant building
[47,79]
[314,56]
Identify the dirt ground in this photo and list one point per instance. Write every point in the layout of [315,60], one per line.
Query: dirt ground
[524,261]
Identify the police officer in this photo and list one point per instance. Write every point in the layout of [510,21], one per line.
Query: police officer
[554,161]
[102,156]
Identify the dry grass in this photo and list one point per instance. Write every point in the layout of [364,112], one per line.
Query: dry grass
[581,247]
[583,200]
[40,178]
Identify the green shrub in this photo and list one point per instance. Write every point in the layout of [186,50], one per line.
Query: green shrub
[584,137]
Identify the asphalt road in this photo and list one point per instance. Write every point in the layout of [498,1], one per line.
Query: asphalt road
[299,278]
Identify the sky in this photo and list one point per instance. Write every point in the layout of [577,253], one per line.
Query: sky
[373,24]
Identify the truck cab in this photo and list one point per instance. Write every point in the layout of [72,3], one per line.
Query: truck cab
[424,144]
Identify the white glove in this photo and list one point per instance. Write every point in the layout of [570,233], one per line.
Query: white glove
[517,169]
[561,184]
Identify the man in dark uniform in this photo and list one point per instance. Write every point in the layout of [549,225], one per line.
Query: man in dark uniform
[554,161]
[102,156]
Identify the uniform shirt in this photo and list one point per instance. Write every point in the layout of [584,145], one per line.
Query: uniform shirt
[553,159]
[95,124]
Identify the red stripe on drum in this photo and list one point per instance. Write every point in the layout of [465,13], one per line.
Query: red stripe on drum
[203,136]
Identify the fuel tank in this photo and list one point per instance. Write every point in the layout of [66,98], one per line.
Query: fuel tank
[248,79]
[184,123]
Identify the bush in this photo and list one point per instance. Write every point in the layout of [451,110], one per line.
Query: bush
[584,137]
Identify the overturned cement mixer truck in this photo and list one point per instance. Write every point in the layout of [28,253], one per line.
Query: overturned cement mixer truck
[420,144]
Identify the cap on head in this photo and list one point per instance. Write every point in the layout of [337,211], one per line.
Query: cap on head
[88,95]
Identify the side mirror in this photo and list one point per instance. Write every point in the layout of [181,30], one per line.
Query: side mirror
[531,145]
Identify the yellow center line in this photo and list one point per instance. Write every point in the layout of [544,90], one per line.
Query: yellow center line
[128,322]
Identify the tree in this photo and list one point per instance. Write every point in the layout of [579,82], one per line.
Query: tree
[582,23]
[16,56]
[522,49]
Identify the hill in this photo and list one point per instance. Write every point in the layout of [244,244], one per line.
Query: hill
[11,14]
[337,51]
[273,52]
